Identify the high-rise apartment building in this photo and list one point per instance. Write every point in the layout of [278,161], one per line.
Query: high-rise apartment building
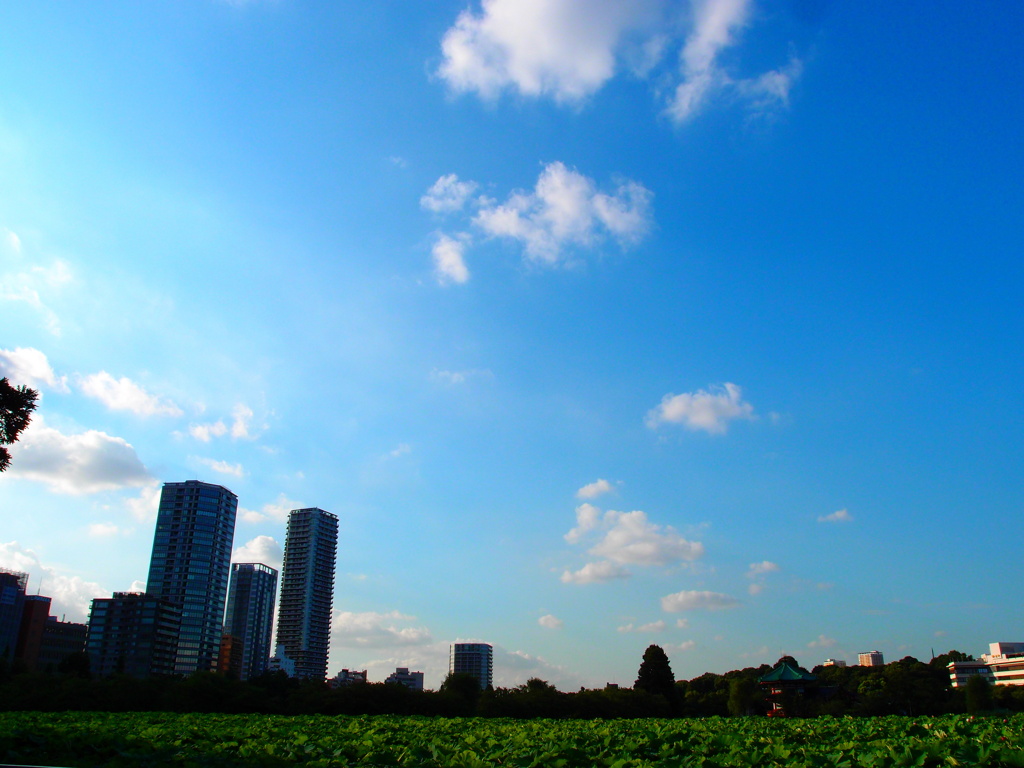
[307,590]
[476,659]
[133,634]
[190,565]
[250,617]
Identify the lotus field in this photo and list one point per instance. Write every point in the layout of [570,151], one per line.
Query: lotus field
[158,739]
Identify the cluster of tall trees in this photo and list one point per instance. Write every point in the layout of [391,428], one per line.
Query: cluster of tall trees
[905,687]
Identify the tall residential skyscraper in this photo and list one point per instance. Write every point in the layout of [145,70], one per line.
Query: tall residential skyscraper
[189,568]
[307,589]
[475,659]
[250,615]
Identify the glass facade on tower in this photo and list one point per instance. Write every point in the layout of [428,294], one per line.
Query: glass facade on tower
[190,566]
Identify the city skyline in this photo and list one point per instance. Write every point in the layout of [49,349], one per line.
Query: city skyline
[596,324]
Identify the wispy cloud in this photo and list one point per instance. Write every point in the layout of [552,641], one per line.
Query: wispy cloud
[276,511]
[653,626]
[839,516]
[550,622]
[564,214]
[223,467]
[239,429]
[692,600]
[377,630]
[595,573]
[709,410]
[568,50]
[125,395]
[593,490]
[448,194]
[29,366]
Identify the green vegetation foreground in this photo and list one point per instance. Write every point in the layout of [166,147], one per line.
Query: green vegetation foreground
[151,739]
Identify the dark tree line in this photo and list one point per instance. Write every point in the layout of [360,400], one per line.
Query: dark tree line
[905,687]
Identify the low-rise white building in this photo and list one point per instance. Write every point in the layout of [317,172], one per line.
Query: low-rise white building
[1006,663]
[412,680]
[962,671]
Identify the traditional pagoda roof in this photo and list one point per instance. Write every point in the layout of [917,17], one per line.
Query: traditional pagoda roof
[786,672]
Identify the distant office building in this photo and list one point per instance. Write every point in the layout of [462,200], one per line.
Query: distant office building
[1005,662]
[870,659]
[133,634]
[249,619]
[61,639]
[307,590]
[190,565]
[281,662]
[476,659]
[833,663]
[34,612]
[12,600]
[347,677]
[411,680]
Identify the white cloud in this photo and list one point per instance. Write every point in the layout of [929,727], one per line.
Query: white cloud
[448,194]
[76,464]
[565,210]
[683,647]
[454,378]
[769,91]
[822,642]
[240,428]
[653,626]
[755,589]
[29,366]
[30,286]
[71,595]
[206,432]
[223,467]
[632,539]
[692,600]
[565,49]
[568,50]
[710,410]
[144,506]
[276,511]
[682,623]
[103,530]
[449,262]
[840,516]
[550,622]
[262,549]
[588,517]
[401,450]
[593,573]
[594,489]
[13,241]
[759,569]
[376,630]
[715,24]
[125,395]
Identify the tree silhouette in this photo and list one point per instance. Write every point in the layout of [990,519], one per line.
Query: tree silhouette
[16,406]
[655,673]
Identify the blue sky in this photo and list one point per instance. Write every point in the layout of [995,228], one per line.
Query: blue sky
[596,323]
